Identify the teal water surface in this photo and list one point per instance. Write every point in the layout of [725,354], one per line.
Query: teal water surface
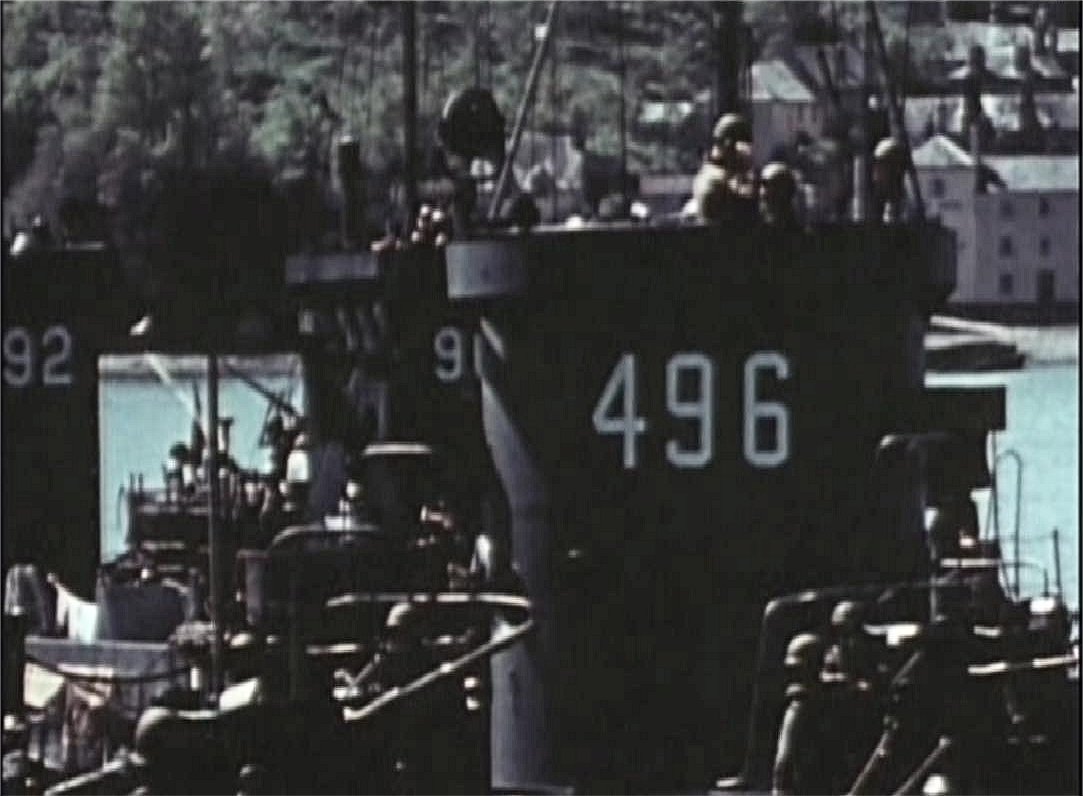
[140,421]
[142,418]
[1043,427]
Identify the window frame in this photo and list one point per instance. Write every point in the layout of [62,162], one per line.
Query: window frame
[1006,284]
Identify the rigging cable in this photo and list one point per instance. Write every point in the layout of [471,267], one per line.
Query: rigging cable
[623,124]
[521,113]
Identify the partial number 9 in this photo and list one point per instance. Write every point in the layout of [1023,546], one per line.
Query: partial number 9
[448,346]
[18,357]
[701,408]
[755,410]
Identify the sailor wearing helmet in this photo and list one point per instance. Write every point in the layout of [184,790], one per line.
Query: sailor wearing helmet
[799,762]
[778,190]
[725,187]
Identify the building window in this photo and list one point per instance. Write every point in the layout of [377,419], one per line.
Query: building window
[1043,206]
[1047,292]
[1006,247]
[1006,209]
[1043,246]
[937,187]
[1006,284]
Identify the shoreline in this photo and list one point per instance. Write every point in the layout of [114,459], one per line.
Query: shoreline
[146,367]
[1041,345]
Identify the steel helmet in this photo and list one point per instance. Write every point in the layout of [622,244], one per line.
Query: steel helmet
[732,126]
[778,179]
[890,151]
[846,615]
[804,649]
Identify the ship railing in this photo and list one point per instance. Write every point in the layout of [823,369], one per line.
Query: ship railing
[1017,565]
[509,635]
[107,683]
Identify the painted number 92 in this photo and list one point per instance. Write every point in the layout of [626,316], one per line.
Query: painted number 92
[25,353]
[616,414]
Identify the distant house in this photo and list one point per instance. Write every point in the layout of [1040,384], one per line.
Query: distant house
[1067,51]
[1018,238]
[782,105]
[1052,47]
[1058,114]
[1005,71]
[845,65]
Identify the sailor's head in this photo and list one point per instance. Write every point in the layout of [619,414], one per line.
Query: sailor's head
[730,132]
[778,186]
[846,617]
[889,162]
[471,128]
[804,654]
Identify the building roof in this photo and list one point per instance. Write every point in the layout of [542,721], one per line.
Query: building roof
[941,152]
[1021,173]
[1037,172]
[844,59]
[774,81]
[1055,109]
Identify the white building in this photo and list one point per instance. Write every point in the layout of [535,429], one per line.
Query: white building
[782,106]
[1018,241]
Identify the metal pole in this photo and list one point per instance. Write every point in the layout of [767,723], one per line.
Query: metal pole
[554,126]
[520,116]
[214,552]
[728,91]
[622,63]
[1015,457]
[409,99]
[867,142]
[1056,562]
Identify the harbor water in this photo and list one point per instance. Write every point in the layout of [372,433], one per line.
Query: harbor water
[1043,428]
[141,418]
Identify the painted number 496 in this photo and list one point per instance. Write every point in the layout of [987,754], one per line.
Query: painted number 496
[616,413]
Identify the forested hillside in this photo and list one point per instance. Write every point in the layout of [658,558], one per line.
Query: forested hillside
[101,99]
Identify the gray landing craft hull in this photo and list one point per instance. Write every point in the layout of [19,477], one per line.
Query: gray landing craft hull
[685,423]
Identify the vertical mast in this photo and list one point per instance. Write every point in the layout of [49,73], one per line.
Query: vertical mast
[728,17]
[409,98]
[623,130]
